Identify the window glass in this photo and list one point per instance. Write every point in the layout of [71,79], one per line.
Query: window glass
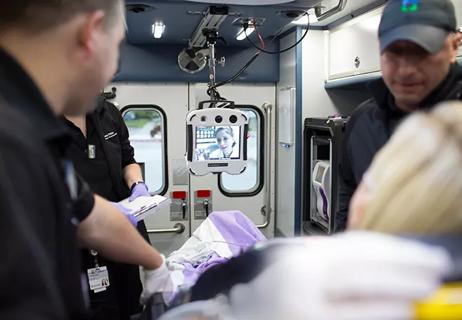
[249,181]
[146,127]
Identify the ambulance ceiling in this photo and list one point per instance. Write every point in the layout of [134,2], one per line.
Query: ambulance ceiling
[181,17]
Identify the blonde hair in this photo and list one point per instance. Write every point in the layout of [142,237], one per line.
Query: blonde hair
[415,181]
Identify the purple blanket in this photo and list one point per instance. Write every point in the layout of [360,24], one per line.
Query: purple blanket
[236,233]
[237,229]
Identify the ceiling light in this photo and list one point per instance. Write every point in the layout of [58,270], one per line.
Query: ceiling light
[303,19]
[158,29]
[242,34]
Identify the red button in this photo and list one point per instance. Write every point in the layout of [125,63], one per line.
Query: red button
[203,193]
[179,195]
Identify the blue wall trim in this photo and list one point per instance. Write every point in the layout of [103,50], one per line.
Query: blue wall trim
[159,64]
[298,133]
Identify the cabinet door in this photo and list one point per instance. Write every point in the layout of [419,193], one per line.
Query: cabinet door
[354,46]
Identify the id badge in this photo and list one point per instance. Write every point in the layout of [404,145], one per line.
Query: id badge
[98,279]
[91,151]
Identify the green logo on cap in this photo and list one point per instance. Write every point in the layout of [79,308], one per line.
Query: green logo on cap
[410,5]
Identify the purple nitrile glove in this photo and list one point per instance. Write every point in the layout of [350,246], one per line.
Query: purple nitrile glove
[139,190]
[127,213]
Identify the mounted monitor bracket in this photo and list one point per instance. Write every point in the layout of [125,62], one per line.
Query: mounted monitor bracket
[216,141]
[213,18]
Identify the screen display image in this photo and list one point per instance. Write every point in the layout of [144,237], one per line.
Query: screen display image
[217,142]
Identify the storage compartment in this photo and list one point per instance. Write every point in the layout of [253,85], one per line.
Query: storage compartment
[322,157]
[354,46]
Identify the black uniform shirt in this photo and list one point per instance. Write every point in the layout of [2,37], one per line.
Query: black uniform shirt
[101,156]
[99,159]
[90,161]
[33,145]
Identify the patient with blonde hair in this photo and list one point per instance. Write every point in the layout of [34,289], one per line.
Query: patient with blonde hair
[414,185]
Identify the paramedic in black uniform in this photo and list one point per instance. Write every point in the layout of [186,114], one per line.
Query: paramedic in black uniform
[55,57]
[103,156]
[418,44]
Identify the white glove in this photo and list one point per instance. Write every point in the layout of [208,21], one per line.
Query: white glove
[157,280]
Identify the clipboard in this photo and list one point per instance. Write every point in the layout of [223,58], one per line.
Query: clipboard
[142,207]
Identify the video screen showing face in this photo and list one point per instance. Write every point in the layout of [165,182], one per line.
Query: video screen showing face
[216,143]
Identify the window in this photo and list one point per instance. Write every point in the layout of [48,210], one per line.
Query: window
[147,128]
[250,182]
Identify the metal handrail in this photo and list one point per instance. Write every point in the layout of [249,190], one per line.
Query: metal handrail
[177,228]
[266,210]
[267,220]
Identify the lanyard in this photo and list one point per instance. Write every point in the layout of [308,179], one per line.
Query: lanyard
[94,254]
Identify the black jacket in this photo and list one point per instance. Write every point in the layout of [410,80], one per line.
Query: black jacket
[49,199]
[29,286]
[370,127]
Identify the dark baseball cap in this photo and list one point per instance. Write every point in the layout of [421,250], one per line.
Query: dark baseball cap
[427,23]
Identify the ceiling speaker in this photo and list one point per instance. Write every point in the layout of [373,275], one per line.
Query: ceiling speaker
[192,61]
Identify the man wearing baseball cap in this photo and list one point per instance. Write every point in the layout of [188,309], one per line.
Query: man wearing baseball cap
[418,40]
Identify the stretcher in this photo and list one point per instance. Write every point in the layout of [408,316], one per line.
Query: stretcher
[222,238]
[196,301]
